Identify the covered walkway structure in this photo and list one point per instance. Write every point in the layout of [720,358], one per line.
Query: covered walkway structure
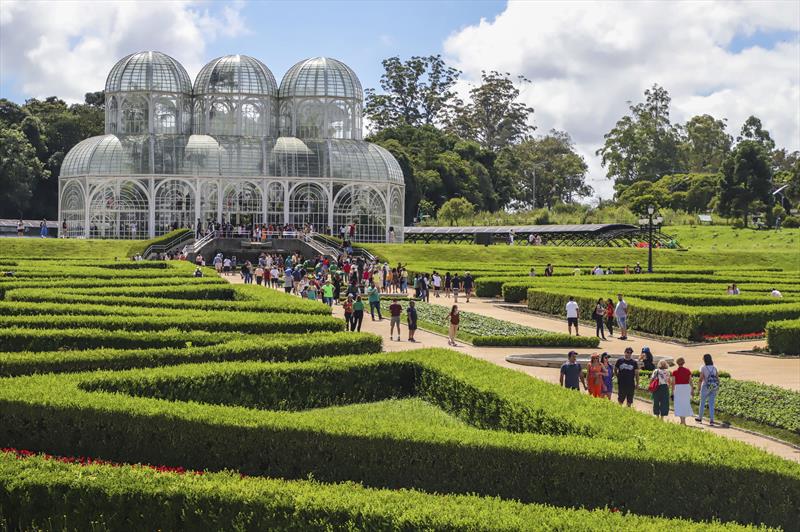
[599,235]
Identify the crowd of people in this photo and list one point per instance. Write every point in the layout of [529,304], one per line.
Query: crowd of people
[604,313]
[600,374]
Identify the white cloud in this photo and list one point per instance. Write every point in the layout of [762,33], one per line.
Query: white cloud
[586,60]
[66,48]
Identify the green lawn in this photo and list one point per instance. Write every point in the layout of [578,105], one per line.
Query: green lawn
[728,238]
[56,248]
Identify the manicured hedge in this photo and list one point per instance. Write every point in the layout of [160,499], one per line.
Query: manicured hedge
[36,491]
[537,340]
[269,300]
[189,291]
[783,337]
[273,348]
[245,323]
[669,319]
[22,339]
[107,284]
[140,247]
[612,457]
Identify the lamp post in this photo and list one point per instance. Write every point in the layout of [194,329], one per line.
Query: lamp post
[651,222]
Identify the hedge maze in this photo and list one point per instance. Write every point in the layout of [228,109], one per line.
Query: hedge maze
[129,401]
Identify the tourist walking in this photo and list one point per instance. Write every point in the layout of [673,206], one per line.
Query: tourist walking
[610,317]
[454,319]
[327,293]
[572,315]
[20,228]
[374,297]
[682,391]
[594,375]
[447,284]
[608,375]
[627,372]
[709,385]
[467,282]
[571,376]
[348,313]
[599,315]
[659,387]
[395,311]
[621,313]
[358,314]
[437,283]
[456,286]
[411,313]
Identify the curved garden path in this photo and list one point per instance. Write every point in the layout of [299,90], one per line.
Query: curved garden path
[496,355]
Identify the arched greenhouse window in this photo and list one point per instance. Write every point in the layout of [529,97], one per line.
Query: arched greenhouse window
[365,207]
[243,204]
[308,204]
[174,206]
[275,201]
[253,120]
[119,210]
[73,209]
[165,117]
[221,119]
[134,116]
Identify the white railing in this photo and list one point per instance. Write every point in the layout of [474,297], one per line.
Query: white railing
[200,244]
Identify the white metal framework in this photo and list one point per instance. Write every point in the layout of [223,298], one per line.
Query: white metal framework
[235,148]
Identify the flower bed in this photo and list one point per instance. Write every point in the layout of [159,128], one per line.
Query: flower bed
[733,337]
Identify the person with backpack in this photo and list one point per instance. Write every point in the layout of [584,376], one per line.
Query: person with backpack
[599,314]
[709,385]
[411,311]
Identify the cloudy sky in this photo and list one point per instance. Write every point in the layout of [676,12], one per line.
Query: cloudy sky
[585,59]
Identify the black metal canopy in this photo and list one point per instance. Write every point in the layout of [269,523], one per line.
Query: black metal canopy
[617,235]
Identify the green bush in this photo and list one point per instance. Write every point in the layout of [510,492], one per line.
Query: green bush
[783,337]
[514,292]
[491,286]
[668,319]
[246,323]
[272,348]
[268,301]
[22,339]
[537,340]
[791,222]
[34,490]
[519,458]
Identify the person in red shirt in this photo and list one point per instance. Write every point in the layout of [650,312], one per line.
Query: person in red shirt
[682,391]
[395,310]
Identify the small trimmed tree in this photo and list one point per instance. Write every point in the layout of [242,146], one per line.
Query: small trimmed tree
[454,210]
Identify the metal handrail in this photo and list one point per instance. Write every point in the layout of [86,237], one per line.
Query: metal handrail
[169,244]
[200,244]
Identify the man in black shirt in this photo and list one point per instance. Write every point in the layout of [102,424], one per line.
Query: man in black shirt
[467,281]
[627,373]
[571,373]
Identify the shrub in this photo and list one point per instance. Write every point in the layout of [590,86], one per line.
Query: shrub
[246,323]
[491,286]
[22,339]
[61,414]
[272,348]
[35,489]
[537,340]
[791,222]
[514,292]
[783,337]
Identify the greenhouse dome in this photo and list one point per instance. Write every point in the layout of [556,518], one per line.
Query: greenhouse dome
[234,148]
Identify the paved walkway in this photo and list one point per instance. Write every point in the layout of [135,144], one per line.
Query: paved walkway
[496,355]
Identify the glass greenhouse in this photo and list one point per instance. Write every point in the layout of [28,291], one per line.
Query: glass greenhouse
[233,148]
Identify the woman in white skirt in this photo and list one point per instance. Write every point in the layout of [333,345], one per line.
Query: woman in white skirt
[682,391]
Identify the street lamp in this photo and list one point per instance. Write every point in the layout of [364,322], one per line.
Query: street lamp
[651,222]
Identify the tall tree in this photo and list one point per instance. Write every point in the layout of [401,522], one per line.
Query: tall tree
[494,117]
[550,161]
[753,130]
[418,91]
[705,143]
[20,170]
[455,209]
[746,180]
[643,144]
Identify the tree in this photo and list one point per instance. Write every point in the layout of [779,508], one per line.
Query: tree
[96,99]
[416,92]
[455,209]
[493,117]
[19,172]
[560,172]
[705,144]
[753,130]
[642,194]
[643,144]
[745,183]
